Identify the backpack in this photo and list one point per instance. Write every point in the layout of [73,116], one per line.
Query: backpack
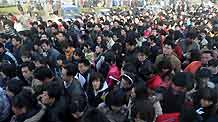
[172,117]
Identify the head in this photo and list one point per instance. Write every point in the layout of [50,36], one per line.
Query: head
[203,77]
[2,48]
[78,54]
[143,111]
[97,81]
[99,49]
[142,54]
[213,66]
[60,36]
[16,41]
[27,69]
[44,74]
[68,72]
[208,97]
[130,45]
[14,87]
[206,56]
[45,44]
[83,65]
[23,102]
[127,81]
[182,82]
[50,95]
[168,47]
[94,115]
[116,99]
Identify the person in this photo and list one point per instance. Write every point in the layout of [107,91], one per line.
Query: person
[174,98]
[84,73]
[212,66]
[52,53]
[26,108]
[94,115]
[97,90]
[6,56]
[115,102]
[72,85]
[203,78]
[193,67]
[27,69]
[5,107]
[142,111]
[55,103]
[208,108]
[168,54]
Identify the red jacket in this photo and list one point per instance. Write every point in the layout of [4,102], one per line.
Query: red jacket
[172,117]
[114,72]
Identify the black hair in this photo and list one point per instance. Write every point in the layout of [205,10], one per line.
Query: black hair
[213,63]
[207,52]
[164,64]
[97,76]
[47,42]
[30,65]
[85,62]
[42,73]
[184,79]
[195,55]
[78,105]
[116,97]
[145,110]
[41,27]
[61,57]
[17,38]
[109,57]
[170,43]
[54,93]
[9,70]
[144,51]
[71,69]
[191,35]
[79,52]
[209,94]
[203,73]
[15,86]
[129,68]
[94,115]
[2,45]
[25,99]
[140,90]
[55,25]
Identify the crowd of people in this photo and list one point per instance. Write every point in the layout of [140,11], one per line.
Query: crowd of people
[131,66]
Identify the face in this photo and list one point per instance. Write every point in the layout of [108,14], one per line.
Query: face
[26,72]
[18,111]
[167,50]
[99,40]
[123,32]
[205,103]
[25,58]
[98,50]
[60,37]
[65,76]
[1,50]
[96,84]
[124,84]
[45,47]
[53,30]
[14,42]
[141,57]
[205,57]
[82,68]
[45,99]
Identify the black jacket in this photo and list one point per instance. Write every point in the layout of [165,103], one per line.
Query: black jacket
[57,111]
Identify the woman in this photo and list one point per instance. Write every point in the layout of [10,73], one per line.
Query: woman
[97,90]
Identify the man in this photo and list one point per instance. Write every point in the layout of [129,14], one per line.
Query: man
[27,71]
[52,53]
[206,56]
[7,56]
[72,85]
[84,72]
[17,42]
[55,103]
[168,54]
